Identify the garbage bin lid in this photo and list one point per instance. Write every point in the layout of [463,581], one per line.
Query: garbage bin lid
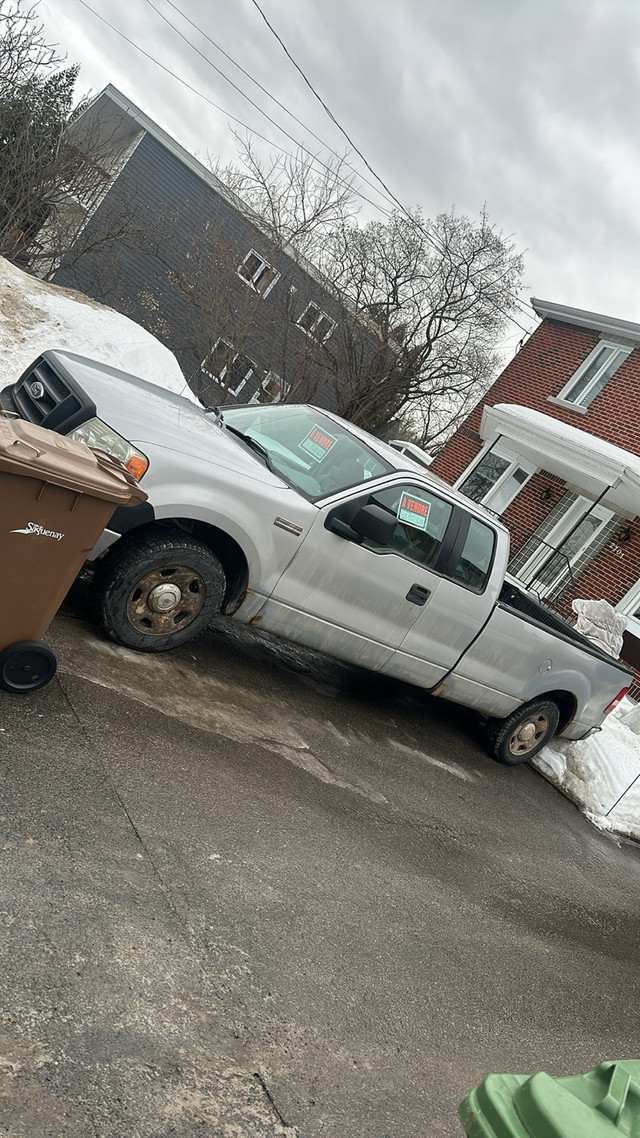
[39,453]
[601,1103]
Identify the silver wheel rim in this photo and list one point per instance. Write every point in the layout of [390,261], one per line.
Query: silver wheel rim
[166,600]
[529,732]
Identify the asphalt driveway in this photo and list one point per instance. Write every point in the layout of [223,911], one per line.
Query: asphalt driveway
[246,889]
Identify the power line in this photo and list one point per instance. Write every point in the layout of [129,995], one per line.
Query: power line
[251,130]
[256,83]
[352,144]
[342,130]
[234,118]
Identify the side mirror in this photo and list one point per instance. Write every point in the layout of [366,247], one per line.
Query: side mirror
[337,525]
[370,521]
[375,523]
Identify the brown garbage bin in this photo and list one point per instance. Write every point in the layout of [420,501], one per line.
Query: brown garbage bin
[56,497]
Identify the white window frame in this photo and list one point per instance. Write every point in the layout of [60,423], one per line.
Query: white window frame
[495,494]
[255,279]
[586,397]
[574,514]
[271,375]
[219,379]
[628,605]
[320,315]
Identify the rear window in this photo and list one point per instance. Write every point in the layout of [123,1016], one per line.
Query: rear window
[474,565]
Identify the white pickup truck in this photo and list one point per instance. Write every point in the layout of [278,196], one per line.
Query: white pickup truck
[289,518]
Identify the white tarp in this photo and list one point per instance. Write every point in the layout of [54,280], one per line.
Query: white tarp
[601,624]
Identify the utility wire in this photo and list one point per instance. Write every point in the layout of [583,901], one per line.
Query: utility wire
[257,84]
[328,111]
[256,105]
[439,249]
[269,142]
[313,158]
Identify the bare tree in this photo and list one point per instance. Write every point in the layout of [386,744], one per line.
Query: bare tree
[440,295]
[298,202]
[24,55]
[50,174]
[426,303]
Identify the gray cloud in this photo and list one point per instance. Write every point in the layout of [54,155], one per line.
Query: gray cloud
[529,108]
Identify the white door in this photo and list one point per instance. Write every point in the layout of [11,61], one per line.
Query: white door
[545,569]
[359,601]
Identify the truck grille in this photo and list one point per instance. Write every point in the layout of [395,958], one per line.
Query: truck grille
[45,397]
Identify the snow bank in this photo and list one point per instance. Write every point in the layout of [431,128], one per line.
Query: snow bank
[36,316]
[601,774]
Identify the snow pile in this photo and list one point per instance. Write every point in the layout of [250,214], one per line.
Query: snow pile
[36,316]
[601,774]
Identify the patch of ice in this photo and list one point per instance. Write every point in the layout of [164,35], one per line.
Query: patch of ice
[450,768]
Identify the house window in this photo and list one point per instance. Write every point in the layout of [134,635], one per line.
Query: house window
[316,323]
[227,368]
[592,375]
[271,390]
[495,478]
[258,273]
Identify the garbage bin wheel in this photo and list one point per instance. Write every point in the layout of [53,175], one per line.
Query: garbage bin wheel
[523,733]
[158,591]
[26,666]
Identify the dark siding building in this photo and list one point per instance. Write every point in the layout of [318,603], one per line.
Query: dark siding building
[171,247]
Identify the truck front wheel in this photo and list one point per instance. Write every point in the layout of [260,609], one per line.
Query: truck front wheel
[159,591]
[523,733]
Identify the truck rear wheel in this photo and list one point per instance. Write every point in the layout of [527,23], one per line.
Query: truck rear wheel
[523,733]
[159,591]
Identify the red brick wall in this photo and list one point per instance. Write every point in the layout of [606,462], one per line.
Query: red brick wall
[529,508]
[611,573]
[540,369]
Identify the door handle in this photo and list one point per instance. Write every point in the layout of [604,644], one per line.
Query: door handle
[418,595]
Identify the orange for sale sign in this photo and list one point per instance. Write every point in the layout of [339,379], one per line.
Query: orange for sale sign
[413,511]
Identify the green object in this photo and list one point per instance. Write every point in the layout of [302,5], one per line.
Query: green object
[604,1103]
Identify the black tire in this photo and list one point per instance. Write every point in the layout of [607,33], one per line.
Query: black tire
[26,666]
[523,733]
[157,591]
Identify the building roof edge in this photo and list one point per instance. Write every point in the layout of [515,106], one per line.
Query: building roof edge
[547,309]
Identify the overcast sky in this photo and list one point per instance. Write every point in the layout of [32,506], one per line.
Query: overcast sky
[531,108]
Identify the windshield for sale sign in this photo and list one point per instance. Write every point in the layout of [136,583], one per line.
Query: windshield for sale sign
[413,511]
[318,443]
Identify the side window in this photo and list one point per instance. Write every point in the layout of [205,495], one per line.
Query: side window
[258,273]
[421,518]
[313,322]
[474,565]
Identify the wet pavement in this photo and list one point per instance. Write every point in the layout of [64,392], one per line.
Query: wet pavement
[248,890]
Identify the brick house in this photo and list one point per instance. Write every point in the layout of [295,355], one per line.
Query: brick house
[162,240]
[554,449]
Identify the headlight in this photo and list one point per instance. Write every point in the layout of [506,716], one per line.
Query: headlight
[95,433]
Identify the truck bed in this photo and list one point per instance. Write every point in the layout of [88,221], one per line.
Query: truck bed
[523,604]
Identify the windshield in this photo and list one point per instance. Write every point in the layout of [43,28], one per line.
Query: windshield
[310,451]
